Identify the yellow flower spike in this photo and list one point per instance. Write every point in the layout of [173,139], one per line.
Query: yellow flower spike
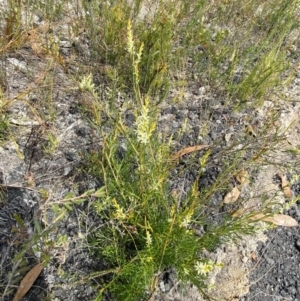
[144,125]
[172,213]
[87,83]
[130,44]
[195,191]
[139,54]
[148,239]
[187,219]
[149,259]
[120,215]
[203,268]
[204,158]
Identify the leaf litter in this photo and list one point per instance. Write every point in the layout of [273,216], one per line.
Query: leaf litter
[28,281]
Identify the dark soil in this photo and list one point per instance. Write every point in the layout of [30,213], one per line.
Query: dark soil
[275,276]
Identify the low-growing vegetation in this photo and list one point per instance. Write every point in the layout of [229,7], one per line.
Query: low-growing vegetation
[138,53]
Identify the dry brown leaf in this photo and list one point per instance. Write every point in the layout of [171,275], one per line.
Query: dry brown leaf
[28,281]
[277,219]
[242,176]
[34,41]
[281,220]
[37,49]
[188,150]
[286,186]
[231,196]
[254,256]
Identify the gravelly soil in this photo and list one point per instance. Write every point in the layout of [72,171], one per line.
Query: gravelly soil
[34,165]
[276,274]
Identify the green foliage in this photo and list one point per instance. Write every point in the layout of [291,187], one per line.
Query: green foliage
[4,127]
[239,50]
[144,233]
[52,10]
[146,229]
[155,30]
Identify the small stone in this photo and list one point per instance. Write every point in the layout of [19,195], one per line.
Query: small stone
[291,290]
[57,293]
[245,259]
[297,244]
[167,287]
[270,261]
[162,286]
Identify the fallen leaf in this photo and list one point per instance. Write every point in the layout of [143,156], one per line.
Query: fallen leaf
[28,281]
[231,196]
[286,186]
[254,256]
[277,219]
[188,150]
[37,49]
[32,37]
[282,220]
[242,176]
